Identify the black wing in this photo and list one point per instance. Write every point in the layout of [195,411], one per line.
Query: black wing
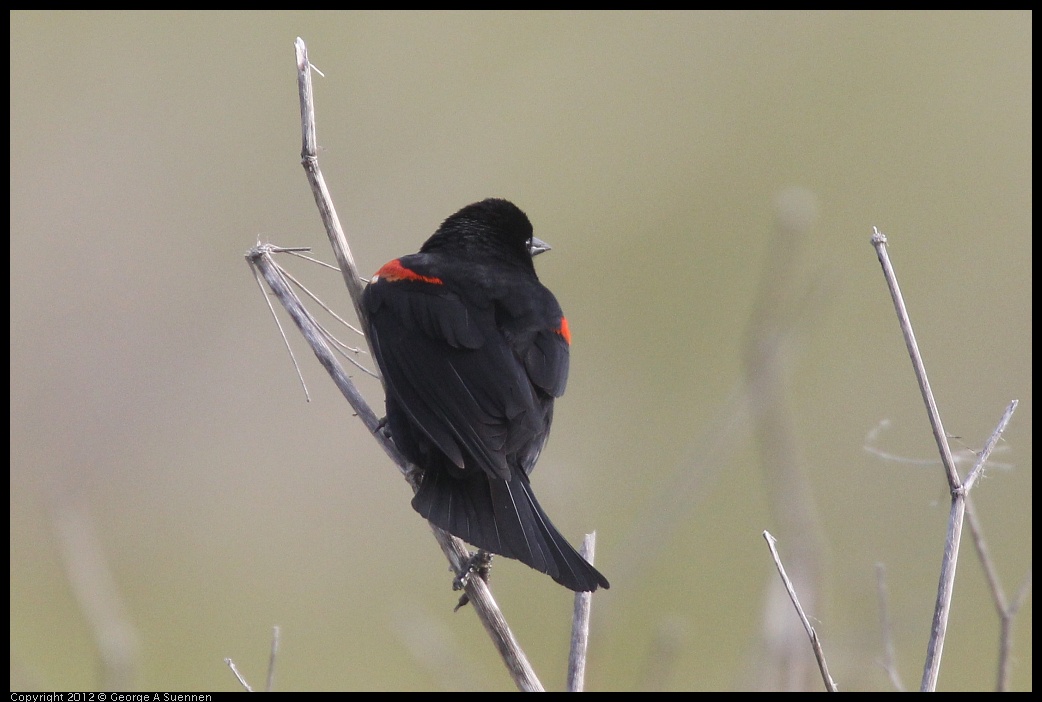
[476,378]
[476,381]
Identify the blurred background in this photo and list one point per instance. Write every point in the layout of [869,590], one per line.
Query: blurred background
[709,182]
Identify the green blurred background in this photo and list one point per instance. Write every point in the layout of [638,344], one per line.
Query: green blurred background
[157,423]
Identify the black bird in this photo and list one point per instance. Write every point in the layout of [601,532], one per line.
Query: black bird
[473,350]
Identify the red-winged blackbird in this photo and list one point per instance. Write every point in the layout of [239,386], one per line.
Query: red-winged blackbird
[473,351]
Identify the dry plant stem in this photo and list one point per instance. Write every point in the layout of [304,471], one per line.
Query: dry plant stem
[484,605]
[1006,637]
[945,589]
[889,656]
[260,258]
[309,159]
[270,686]
[815,643]
[781,662]
[879,242]
[271,666]
[989,446]
[581,624]
[242,681]
[946,584]
[94,587]
[490,615]
[1007,611]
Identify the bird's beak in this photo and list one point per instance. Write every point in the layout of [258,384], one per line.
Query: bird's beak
[537,246]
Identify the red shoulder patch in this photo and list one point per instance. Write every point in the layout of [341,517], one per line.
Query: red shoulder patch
[564,332]
[393,271]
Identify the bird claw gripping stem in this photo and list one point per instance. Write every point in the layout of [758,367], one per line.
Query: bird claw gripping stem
[480,564]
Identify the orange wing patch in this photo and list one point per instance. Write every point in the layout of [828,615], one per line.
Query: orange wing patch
[394,271]
[564,332]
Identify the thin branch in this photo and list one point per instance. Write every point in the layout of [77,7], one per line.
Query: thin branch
[993,440]
[581,624]
[94,587]
[1006,637]
[346,352]
[278,323]
[945,589]
[991,573]
[777,309]
[889,657]
[1006,610]
[260,258]
[270,686]
[959,491]
[950,558]
[962,456]
[242,681]
[815,643]
[879,242]
[490,615]
[329,310]
[309,159]
[454,549]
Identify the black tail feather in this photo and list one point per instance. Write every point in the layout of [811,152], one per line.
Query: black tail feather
[504,518]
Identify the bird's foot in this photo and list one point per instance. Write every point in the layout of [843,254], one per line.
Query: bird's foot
[480,564]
